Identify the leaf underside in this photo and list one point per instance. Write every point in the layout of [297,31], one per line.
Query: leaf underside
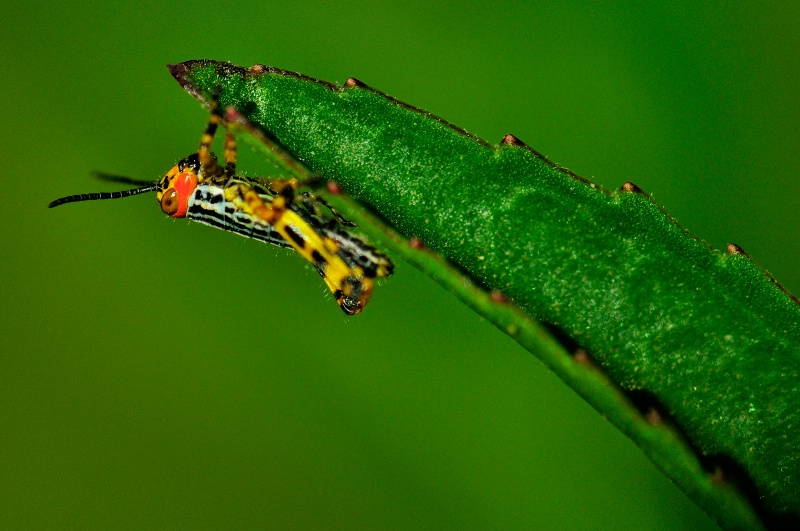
[709,335]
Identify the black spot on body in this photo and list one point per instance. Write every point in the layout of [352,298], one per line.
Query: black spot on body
[318,258]
[296,237]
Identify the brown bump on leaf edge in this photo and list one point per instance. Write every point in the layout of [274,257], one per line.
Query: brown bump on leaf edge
[630,187]
[581,357]
[511,140]
[718,476]
[231,114]
[732,248]
[353,82]
[653,417]
[498,296]
[333,187]
[258,68]
[415,243]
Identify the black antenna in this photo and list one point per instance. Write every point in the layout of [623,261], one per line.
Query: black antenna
[104,195]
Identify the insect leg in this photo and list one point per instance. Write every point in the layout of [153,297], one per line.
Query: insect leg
[311,202]
[230,155]
[207,161]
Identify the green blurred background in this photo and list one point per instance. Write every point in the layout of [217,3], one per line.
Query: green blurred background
[158,373]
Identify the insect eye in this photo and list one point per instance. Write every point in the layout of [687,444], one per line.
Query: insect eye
[169,202]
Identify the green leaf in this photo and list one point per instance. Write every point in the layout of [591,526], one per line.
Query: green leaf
[708,334]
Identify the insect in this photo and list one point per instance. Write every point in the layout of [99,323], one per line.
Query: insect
[273,211]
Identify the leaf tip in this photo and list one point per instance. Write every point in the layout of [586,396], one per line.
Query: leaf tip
[178,71]
[181,73]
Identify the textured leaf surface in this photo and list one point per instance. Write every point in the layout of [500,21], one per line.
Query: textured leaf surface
[707,333]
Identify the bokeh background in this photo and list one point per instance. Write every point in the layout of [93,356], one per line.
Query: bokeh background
[156,373]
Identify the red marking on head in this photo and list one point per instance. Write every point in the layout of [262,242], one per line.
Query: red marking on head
[184,185]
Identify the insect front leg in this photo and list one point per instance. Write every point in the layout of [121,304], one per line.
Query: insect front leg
[230,155]
[208,163]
